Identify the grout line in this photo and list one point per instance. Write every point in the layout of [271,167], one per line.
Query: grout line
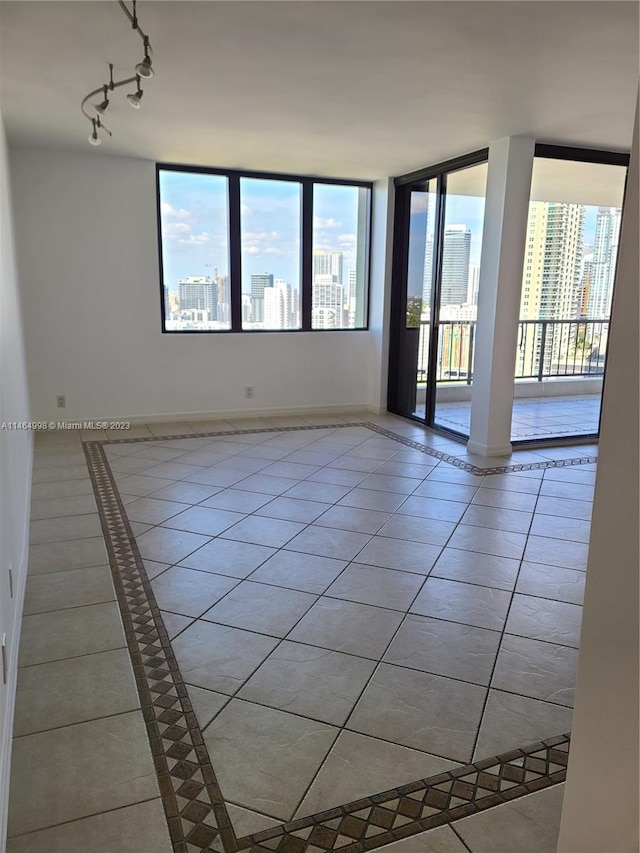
[79,722]
[231,844]
[460,838]
[81,818]
[504,629]
[75,657]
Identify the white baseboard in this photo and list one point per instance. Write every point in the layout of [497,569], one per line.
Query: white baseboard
[487,450]
[221,415]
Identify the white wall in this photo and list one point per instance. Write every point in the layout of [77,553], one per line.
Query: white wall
[15,474]
[601,799]
[88,254]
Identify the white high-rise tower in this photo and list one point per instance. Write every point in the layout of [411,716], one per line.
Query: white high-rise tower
[603,267]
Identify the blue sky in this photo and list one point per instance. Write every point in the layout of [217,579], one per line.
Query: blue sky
[194,226]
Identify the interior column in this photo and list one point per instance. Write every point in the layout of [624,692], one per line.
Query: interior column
[503,246]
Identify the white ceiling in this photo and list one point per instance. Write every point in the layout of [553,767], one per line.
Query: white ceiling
[354,89]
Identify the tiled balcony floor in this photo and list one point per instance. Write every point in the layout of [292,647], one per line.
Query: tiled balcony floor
[349,614]
[534,418]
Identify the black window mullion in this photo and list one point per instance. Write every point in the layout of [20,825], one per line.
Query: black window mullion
[306,254]
[235,253]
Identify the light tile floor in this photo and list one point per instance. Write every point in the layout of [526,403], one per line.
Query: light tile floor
[533,418]
[393,614]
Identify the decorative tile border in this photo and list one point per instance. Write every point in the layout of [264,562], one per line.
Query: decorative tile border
[409,809]
[408,442]
[475,469]
[196,814]
[194,807]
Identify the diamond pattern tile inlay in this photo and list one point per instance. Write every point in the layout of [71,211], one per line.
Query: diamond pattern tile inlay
[195,810]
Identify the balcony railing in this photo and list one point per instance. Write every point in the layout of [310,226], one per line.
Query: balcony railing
[547,349]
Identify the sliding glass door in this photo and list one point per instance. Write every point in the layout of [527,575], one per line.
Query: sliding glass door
[436,269]
[414,319]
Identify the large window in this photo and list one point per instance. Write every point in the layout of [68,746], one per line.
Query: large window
[258,252]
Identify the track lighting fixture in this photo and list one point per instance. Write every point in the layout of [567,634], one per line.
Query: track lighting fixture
[142,70]
[134,100]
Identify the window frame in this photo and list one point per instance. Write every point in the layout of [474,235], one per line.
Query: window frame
[235,251]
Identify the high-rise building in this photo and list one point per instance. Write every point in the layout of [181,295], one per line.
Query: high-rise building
[553,257]
[327,306]
[474,281]
[328,263]
[274,308]
[605,253]
[551,280]
[585,282]
[246,309]
[352,297]
[280,306]
[258,284]
[290,303]
[224,295]
[427,276]
[455,265]
[198,293]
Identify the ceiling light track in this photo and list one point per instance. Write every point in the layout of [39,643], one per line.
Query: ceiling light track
[143,70]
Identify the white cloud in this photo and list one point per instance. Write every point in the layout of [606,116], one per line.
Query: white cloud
[175,229]
[202,239]
[319,222]
[246,210]
[170,211]
[259,236]
[347,239]
[252,250]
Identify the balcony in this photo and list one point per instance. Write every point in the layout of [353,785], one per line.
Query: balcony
[557,377]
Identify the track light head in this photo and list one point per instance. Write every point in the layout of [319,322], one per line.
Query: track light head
[100,108]
[134,99]
[94,139]
[144,69]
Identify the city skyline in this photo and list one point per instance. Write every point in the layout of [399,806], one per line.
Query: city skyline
[204,302]
[193,214]
[194,219]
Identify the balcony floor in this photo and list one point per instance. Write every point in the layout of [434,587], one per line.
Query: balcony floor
[534,417]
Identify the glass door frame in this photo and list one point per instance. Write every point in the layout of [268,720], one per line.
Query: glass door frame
[404,185]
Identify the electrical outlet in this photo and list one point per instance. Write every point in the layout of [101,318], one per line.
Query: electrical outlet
[61,402]
[248,392]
